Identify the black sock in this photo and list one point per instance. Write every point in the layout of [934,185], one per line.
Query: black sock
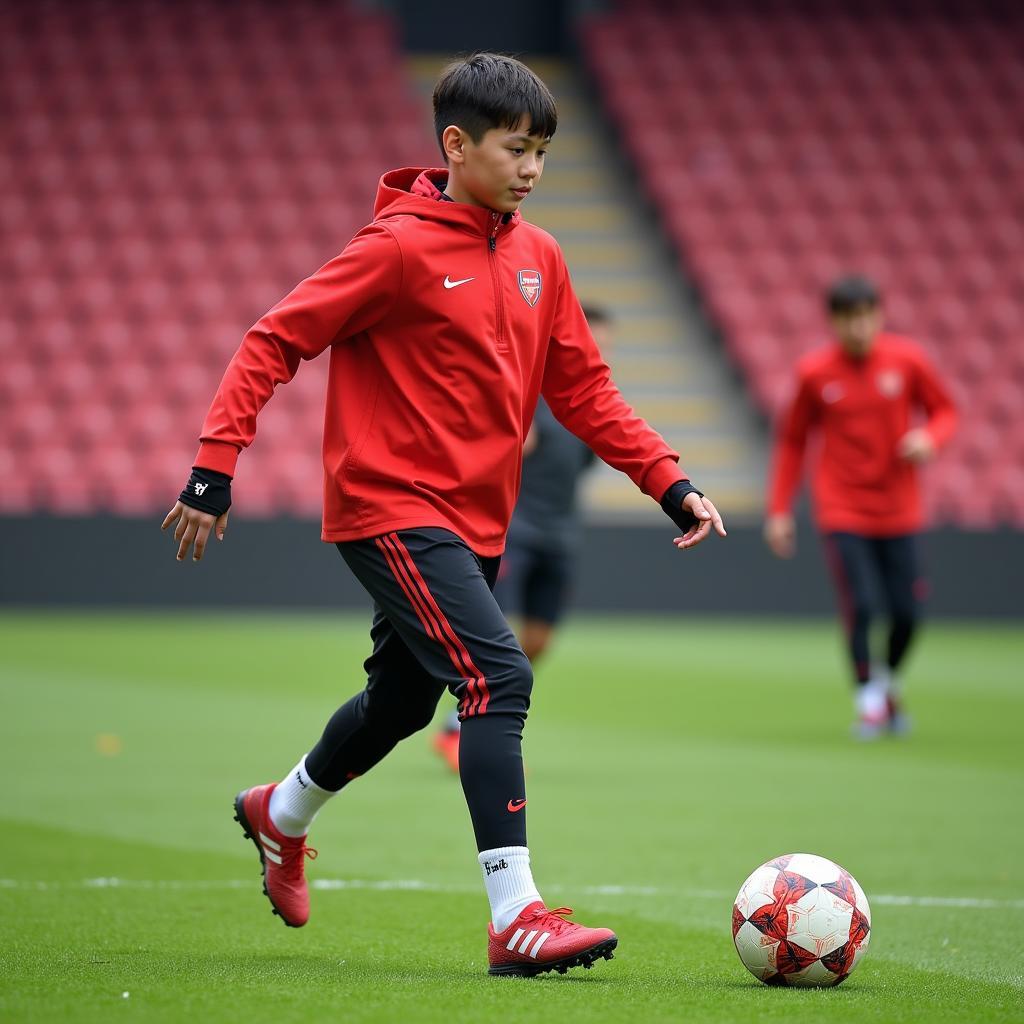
[347,749]
[900,637]
[491,769]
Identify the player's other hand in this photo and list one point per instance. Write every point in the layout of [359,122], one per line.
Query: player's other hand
[916,445]
[780,535]
[193,529]
[531,441]
[707,518]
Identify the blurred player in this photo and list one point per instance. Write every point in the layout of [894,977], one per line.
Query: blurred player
[535,577]
[446,318]
[863,394]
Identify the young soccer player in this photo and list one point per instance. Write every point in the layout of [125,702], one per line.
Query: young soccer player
[536,567]
[861,393]
[446,317]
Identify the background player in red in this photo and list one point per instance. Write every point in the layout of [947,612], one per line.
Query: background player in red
[446,318]
[863,395]
[535,577]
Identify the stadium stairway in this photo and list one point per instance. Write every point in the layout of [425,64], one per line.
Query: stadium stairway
[898,154]
[664,357]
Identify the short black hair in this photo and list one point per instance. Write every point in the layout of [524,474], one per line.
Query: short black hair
[596,314]
[851,292]
[490,90]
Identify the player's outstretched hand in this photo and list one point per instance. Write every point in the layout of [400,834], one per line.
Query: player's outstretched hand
[780,535]
[707,518]
[916,445]
[193,529]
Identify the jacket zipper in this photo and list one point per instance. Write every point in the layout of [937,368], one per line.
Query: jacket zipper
[492,255]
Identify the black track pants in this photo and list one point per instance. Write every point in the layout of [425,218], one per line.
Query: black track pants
[855,560]
[436,626]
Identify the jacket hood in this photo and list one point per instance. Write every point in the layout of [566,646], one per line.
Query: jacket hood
[417,191]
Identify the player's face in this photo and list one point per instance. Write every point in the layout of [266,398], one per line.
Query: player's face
[856,330]
[500,170]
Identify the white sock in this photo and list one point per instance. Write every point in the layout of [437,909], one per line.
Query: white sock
[295,802]
[870,699]
[509,883]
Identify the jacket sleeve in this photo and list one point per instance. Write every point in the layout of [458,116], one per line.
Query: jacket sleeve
[790,442]
[938,404]
[578,387]
[348,295]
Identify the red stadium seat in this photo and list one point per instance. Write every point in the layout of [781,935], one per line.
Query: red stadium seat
[898,154]
[159,195]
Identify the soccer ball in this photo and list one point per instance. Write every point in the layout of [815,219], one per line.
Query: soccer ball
[801,920]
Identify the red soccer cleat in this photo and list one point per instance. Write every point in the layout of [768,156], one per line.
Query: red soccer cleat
[283,858]
[541,940]
[899,723]
[446,743]
[869,727]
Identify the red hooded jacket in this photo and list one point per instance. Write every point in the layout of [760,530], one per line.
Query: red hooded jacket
[861,408]
[445,322]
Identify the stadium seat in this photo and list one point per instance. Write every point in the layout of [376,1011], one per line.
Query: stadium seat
[898,153]
[159,195]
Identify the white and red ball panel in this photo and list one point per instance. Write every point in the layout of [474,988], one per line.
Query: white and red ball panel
[757,891]
[801,920]
[818,869]
[757,951]
[819,922]
[817,975]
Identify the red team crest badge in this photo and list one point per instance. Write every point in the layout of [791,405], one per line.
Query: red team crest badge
[530,285]
[890,383]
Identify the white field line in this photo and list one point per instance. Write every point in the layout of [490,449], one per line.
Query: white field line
[418,885]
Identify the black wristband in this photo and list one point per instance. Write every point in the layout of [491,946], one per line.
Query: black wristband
[208,491]
[672,504]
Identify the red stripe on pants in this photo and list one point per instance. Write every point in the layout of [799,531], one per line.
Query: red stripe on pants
[475,678]
[431,627]
[425,612]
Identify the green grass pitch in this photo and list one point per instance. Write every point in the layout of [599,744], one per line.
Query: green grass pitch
[666,760]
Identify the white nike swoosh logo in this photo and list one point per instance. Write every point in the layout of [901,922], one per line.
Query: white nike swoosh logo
[449,283]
